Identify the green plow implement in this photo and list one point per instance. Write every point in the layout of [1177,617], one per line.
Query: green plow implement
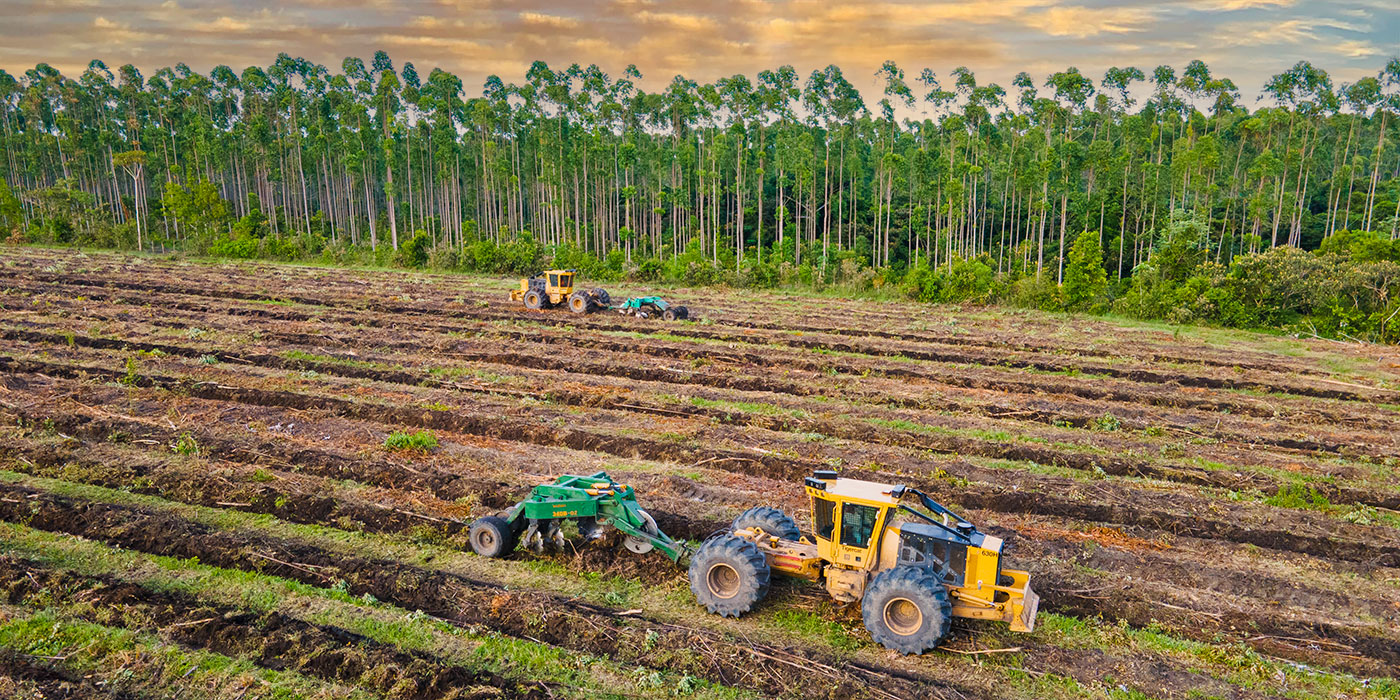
[595,503]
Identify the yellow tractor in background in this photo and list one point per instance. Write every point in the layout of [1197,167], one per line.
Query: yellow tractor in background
[911,563]
[554,287]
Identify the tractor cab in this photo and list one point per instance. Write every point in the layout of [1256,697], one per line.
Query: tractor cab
[849,517]
[559,282]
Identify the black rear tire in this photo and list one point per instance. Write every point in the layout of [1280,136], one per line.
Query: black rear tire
[492,537]
[907,609]
[729,575]
[534,300]
[601,296]
[682,313]
[770,520]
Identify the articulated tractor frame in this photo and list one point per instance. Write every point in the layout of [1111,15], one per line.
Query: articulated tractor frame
[911,563]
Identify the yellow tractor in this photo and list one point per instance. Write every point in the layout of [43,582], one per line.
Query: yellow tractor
[911,563]
[553,287]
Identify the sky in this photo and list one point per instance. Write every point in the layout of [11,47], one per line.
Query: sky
[1245,40]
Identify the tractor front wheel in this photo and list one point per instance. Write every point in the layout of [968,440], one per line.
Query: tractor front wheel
[492,537]
[729,575]
[906,609]
[579,302]
[534,300]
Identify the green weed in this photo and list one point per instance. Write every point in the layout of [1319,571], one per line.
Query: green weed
[185,445]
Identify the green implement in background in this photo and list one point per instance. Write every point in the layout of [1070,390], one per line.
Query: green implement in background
[595,503]
[652,306]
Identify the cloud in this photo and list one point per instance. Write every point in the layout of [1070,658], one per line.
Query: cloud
[680,21]
[708,39]
[229,24]
[1355,49]
[1234,5]
[1270,32]
[1084,21]
[541,19]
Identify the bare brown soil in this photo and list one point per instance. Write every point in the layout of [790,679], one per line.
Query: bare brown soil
[1143,478]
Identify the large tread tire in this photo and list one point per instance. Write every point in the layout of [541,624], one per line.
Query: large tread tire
[729,575]
[492,537]
[579,302]
[770,520]
[907,609]
[669,314]
[534,300]
[601,296]
[682,313]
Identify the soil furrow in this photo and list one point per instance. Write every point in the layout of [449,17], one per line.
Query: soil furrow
[270,640]
[904,439]
[1124,506]
[993,360]
[39,678]
[1129,393]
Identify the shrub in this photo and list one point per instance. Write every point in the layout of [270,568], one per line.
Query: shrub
[650,270]
[969,280]
[1037,292]
[242,246]
[1086,282]
[414,251]
[444,257]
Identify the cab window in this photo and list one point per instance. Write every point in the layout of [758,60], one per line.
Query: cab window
[824,513]
[566,280]
[857,524]
[554,280]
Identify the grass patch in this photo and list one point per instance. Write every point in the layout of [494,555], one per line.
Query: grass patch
[421,441]
[300,356]
[766,409]
[1300,497]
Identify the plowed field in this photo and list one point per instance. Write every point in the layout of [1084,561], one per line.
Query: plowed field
[196,499]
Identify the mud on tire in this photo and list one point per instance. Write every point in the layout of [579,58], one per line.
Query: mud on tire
[906,609]
[579,302]
[770,520]
[492,537]
[534,300]
[729,575]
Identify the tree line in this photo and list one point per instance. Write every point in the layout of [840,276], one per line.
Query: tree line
[774,177]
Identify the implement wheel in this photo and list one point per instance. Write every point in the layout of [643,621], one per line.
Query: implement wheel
[729,575]
[534,300]
[906,609]
[669,314]
[770,520]
[579,302]
[640,546]
[492,537]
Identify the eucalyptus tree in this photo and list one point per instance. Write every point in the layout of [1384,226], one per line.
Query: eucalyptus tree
[939,167]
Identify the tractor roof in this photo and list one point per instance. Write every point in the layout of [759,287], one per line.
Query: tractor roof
[862,490]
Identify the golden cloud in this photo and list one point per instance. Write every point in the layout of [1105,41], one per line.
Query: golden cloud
[1084,21]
